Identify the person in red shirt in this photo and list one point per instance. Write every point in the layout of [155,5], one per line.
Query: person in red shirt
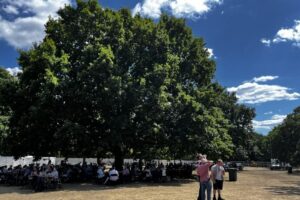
[199,158]
[204,175]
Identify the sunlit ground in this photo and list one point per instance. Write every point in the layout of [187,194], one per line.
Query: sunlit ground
[252,184]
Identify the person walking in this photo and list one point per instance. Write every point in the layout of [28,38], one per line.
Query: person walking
[218,172]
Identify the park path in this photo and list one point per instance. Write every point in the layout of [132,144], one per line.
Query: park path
[252,184]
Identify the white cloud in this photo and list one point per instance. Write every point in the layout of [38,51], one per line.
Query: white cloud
[268,113]
[286,35]
[150,8]
[10,9]
[211,53]
[179,8]
[14,70]
[264,78]
[252,92]
[266,42]
[269,123]
[20,30]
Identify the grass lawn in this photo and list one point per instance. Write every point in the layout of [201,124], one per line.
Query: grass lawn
[252,184]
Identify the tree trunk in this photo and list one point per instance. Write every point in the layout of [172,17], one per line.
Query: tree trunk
[119,158]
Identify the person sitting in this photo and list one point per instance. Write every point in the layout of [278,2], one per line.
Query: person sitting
[148,174]
[40,182]
[52,177]
[3,175]
[52,173]
[113,177]
[100,174]
[126,174]
[135,172]
[32,178]
[67,173]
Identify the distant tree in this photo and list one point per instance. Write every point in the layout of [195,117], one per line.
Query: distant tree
[257,148]
[285,139]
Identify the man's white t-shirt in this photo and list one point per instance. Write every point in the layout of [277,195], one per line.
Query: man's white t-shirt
[113,175]
[53,174]
[218,172]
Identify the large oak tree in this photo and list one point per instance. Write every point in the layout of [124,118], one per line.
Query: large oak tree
[106,81]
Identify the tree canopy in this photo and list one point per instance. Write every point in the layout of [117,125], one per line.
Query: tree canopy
[284,140]
[106,81]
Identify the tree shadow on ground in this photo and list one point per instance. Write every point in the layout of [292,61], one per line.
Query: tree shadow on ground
[292,183]
[80,187]
[296,173]
[284,190]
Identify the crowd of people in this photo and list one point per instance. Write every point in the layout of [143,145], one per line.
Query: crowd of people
[49,176]
[35,176]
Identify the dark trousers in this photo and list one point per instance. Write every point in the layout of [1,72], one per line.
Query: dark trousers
[40,184]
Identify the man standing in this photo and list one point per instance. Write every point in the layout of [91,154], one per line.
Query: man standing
[199,158]
[204,175]
[218,173]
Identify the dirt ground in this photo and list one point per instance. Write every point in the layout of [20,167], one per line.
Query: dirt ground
[252,184]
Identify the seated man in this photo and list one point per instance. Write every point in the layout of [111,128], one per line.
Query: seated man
[126,174]
[113,177]
[33,176]
[53,177]
[147,174]
[40,181]
[100,174]
[53,173]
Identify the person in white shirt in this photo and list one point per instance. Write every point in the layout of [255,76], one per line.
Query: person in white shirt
[53,173]
[217,174]
[113,177]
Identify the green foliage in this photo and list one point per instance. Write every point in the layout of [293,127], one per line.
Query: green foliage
[104,81]
[7,90]
[285,139]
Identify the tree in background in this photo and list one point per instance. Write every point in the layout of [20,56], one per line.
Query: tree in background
[284,139]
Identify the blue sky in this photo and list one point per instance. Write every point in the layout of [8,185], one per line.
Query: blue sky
[255,43]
